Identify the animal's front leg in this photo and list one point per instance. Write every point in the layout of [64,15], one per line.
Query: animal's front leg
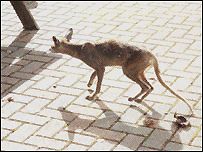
[100,74]
[92,79]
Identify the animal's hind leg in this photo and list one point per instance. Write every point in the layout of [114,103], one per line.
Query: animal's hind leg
[138,79]
[92,79]
[149,90]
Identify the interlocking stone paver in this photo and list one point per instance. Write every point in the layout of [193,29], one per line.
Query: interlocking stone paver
[180,64]
[69,80]
[10,108]
[160,42]
[113,83]
[157,139]
[185,137]
[196,45]
[196,121]
[146,149]
[114,74]
[56,64]
[162,99]
[180,55]
[41,93]
[84,110]
[197,142]
[73,70]
[29,118]
[181,108]
[106,120]
[65,90]
[73,62]
[52,73]
[9,124]
[179,48]
[159,89]
[45,83]
[9,70]
[17,61]
[44,149]
[107,134]
[9,80]
[81,100]
[102,144]
[183,74]
[4,87]
[75,147]
[23,132]
[32,67]
[35,106]
[8,145]
[50,112]
[80,123]
[37,58]
[61,101]
[56,125]
[127,144]
[178,33]
[26,76]
[111,94]
[4,133]
[76,138]
[176,146]
[161,34]
[45,142]
[26,84]
[131,115]
[114,107]
[132,129]
[19,98]
[159,110]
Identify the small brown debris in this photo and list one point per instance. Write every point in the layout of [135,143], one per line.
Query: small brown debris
[54,86]
[149,122]
[10,99]
[181,121]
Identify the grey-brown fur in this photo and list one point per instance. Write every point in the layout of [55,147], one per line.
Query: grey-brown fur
[133,61]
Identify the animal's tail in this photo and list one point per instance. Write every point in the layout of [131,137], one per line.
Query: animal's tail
[157,72]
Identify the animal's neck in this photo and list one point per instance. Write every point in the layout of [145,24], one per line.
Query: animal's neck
[72,49]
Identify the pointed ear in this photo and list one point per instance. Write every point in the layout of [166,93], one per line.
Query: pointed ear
[56,41]
[69,35]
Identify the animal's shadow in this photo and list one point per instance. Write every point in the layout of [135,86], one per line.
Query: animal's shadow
[14,57]
[124,128]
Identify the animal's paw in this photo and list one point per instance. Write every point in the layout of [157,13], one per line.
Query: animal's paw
[90,91]
[91,98]
[89,84]
[138,100]
[130,99]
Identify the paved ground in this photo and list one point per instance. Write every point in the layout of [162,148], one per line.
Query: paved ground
[36,120]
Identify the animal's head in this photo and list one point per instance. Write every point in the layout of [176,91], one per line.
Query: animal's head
[57,47]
